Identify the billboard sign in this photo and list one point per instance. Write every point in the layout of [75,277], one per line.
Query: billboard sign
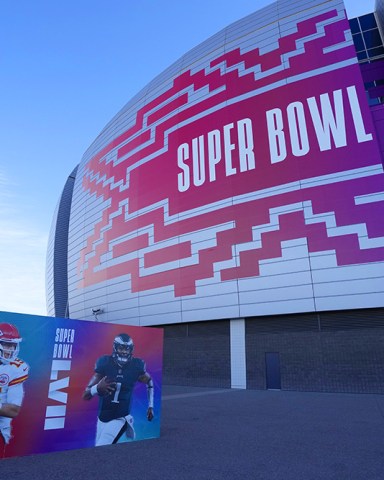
[48,384]
[254,179]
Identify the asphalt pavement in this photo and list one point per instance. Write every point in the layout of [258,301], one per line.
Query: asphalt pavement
[209,434]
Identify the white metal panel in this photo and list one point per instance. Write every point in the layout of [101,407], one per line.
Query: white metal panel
[238,354]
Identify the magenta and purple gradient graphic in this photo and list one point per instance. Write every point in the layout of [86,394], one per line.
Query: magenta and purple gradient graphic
[91,340]
[151,187]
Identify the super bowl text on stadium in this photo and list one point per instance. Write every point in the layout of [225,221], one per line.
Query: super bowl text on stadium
[326,114]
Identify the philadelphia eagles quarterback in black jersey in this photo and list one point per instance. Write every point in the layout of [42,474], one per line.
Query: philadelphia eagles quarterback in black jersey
[113,382]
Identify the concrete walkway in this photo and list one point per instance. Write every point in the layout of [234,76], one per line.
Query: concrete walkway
[235,434]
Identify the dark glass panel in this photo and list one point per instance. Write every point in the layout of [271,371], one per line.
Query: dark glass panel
[362,55]
[372,38]
[373,101]
[354,25]
[375,52]
[367,21]
[358,41]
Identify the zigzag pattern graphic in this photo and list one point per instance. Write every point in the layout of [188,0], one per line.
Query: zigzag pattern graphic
[141,237]
[256,236]
[227,81]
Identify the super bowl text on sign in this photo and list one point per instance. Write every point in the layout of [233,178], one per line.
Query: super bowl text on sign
[244,185]
[48,379]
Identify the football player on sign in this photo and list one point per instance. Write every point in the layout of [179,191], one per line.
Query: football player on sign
[13,373]
[113,382]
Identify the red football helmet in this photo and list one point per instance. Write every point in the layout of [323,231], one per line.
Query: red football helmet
[9,342]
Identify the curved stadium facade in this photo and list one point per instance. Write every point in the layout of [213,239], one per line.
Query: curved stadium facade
[237,201]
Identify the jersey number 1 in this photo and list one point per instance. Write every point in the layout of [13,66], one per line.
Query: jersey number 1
[117,393]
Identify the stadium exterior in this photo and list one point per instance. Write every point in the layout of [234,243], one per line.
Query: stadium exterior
[237,201]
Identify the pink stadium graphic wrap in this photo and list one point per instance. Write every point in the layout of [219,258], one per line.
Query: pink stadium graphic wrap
[235,160]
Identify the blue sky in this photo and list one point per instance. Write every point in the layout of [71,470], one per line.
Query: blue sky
[66,69]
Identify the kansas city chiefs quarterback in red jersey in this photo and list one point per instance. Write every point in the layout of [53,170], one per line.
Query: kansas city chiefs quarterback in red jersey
[13,373]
